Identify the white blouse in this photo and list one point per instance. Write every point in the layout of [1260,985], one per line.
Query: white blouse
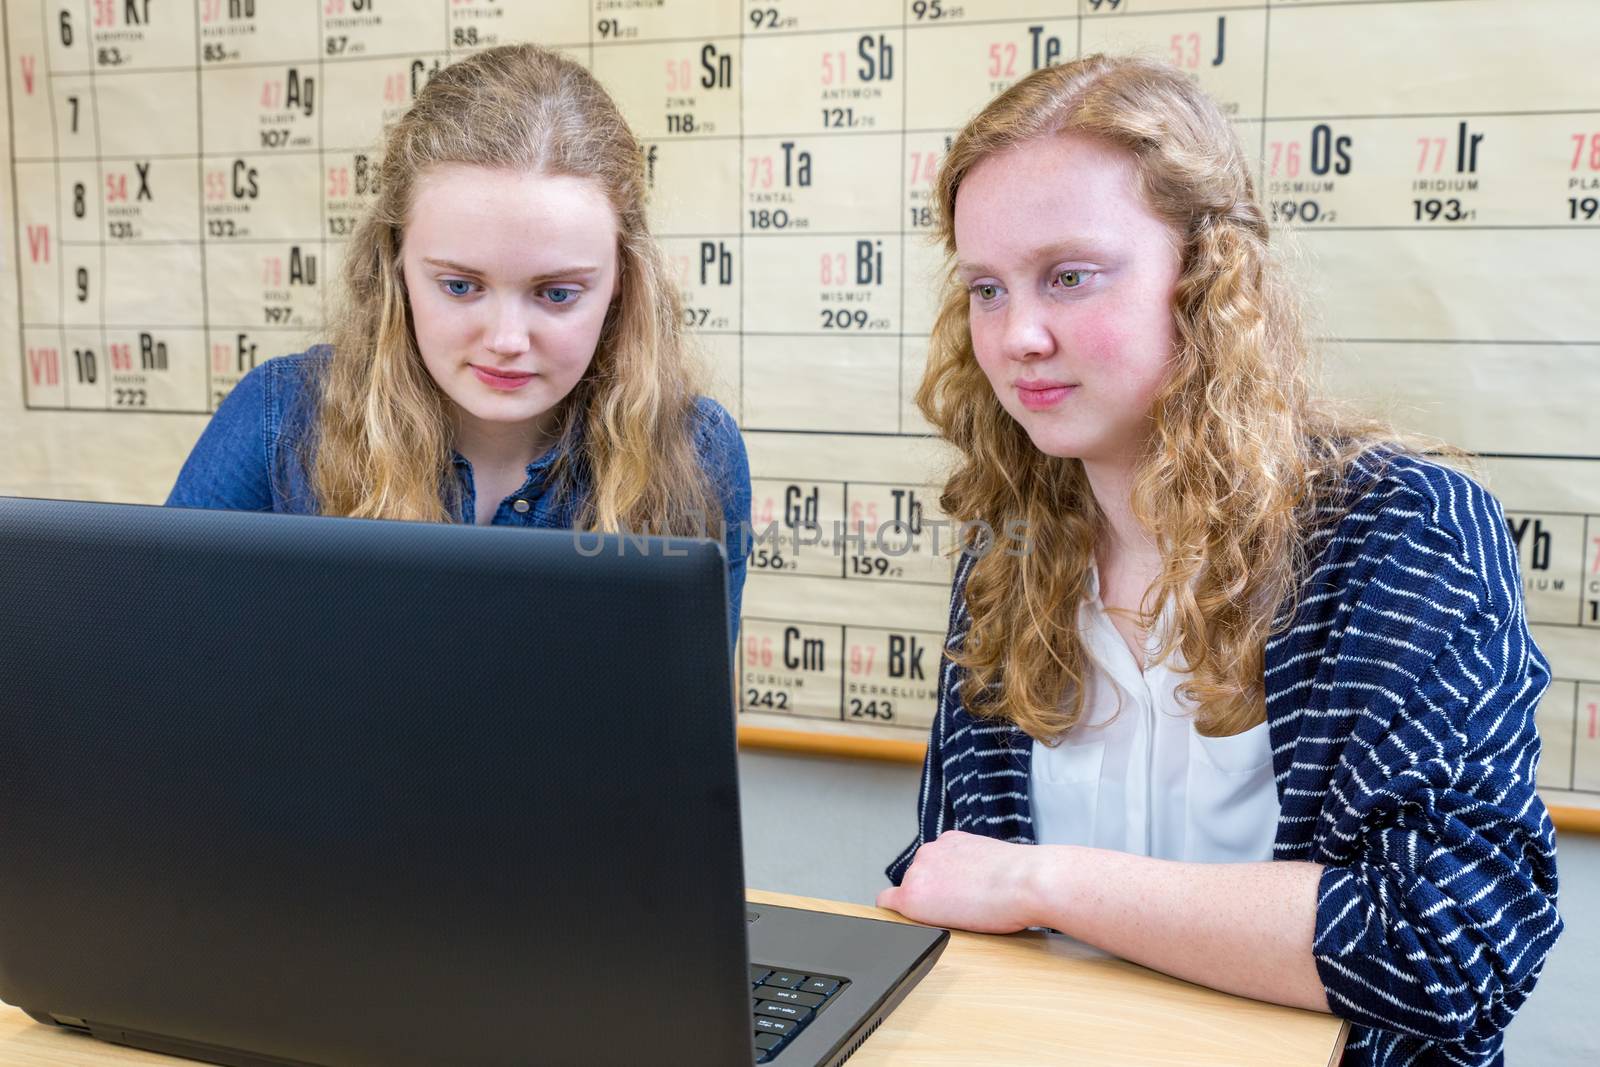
[1142,780]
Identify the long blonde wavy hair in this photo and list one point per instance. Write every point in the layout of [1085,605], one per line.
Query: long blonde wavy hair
[1243,456]
[382,444]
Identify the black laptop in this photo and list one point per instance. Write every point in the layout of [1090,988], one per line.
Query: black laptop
[293,790]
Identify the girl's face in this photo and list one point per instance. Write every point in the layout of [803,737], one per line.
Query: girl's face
[1070,280]
[509,277]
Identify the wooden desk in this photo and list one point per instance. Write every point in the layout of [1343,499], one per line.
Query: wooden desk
[1022,999]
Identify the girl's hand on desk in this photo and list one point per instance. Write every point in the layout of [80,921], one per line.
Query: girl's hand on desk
[967,881]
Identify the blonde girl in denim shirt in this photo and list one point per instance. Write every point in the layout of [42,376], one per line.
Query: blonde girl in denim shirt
[510,348]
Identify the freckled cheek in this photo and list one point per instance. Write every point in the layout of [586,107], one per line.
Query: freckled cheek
[1130,345]
[1096,339]
[425,323]
[571,337]
[987,348]
[442,325]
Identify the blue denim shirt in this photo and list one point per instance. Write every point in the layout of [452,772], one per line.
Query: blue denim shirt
[244,461]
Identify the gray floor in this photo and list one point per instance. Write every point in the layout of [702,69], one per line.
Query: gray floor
[857,815]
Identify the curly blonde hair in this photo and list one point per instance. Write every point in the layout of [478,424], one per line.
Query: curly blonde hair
[384,430]
[1244,457]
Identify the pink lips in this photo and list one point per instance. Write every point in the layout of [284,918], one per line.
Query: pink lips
[506,380]
[1037,395]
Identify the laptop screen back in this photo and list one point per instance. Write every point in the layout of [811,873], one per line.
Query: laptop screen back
[343,791]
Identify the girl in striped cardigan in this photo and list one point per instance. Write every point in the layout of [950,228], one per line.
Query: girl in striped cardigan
[1253,703]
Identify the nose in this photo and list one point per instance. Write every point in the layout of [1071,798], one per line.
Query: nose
[1026,333]
[507,333]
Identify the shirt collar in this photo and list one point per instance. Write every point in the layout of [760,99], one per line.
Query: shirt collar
[1093,616]
[540,466]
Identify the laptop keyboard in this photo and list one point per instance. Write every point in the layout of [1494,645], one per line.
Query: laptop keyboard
[783,1002]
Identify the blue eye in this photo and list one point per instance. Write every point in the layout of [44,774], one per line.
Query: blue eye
[561,296]
[457,287]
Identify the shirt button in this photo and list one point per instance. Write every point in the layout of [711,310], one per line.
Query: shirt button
[520,506]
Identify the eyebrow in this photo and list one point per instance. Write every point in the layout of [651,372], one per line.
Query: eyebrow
[581,273]
[1069,248]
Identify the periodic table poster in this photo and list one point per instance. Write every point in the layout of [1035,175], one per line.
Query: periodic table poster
[182,176]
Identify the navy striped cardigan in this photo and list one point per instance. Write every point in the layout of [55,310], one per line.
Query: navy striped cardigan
[1400,708]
